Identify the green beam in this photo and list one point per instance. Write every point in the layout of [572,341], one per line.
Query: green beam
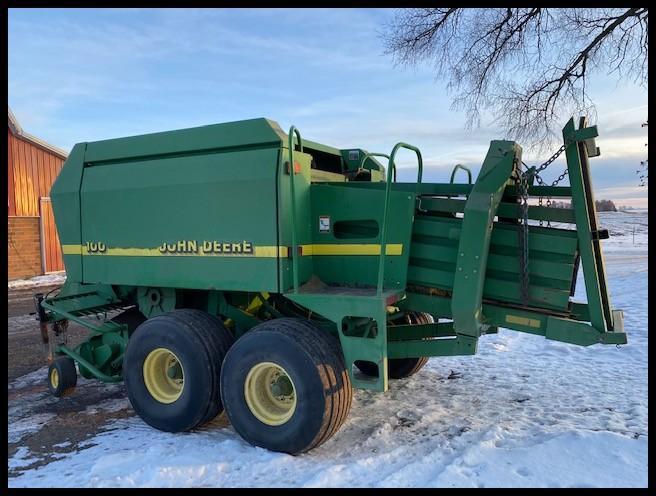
[92,368]
[583,213]
[414,331]
[505,210]
[458,189]
[475,234]
[554,327]
[461,345]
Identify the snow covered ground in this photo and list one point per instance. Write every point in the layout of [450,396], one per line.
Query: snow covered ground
[34,282]
[523,412]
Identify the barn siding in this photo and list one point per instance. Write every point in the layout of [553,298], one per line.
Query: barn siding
[10,177]
[31,170]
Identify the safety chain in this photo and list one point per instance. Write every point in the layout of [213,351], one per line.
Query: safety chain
[521,182]
[535,172]
[555,183]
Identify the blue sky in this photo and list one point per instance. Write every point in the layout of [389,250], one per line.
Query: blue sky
[89,74]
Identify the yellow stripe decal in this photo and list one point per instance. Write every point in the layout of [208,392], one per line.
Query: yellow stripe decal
[71,249]
[350,249]
[258,251]
[516,319]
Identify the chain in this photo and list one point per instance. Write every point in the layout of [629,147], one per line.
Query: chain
[535,172]
[521,182]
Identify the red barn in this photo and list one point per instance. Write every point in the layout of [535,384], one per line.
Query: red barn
[32,244]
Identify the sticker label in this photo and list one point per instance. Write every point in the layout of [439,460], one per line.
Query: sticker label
[516,319]
[324,223]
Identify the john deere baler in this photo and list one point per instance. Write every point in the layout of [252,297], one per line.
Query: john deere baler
[237,267]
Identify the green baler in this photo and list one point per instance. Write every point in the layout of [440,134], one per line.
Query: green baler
[268,275]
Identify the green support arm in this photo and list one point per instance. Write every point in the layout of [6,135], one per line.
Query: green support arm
[480,210]
[579,142]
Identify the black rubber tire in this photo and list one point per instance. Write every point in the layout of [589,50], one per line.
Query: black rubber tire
[314,361]
[219,343]
[200,342]
[66,373]
[400,368]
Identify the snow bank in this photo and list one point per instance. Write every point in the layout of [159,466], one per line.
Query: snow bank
[46,280]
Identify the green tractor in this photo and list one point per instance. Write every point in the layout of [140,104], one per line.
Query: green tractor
[235,267]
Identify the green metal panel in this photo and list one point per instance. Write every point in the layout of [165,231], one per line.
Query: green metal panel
[204,139]
[552,240]
[539,267]
[344,205]
[65,195]
[302,181]
[225,198]
[353,303]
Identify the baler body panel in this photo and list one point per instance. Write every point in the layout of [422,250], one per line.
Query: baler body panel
[194,208]
[202,221]
[347,252]
[65,195]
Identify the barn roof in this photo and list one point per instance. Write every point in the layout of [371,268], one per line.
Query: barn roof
[18,131]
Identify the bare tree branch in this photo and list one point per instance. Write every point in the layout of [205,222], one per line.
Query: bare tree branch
[526,66]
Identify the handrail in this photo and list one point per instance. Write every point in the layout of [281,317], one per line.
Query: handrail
[372,154]
[466,169]
[293,131]
[383,232]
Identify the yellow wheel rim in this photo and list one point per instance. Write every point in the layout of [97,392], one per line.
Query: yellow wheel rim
[54,378]
[270,393]
[163,375]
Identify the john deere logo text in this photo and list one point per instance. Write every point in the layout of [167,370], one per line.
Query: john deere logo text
[218,247]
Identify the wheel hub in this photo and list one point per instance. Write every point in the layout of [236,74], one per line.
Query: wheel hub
[163,375]
[270,393]
[54,378]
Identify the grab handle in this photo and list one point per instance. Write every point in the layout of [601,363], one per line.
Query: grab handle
[466,169]
[292,172]
[391,169]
